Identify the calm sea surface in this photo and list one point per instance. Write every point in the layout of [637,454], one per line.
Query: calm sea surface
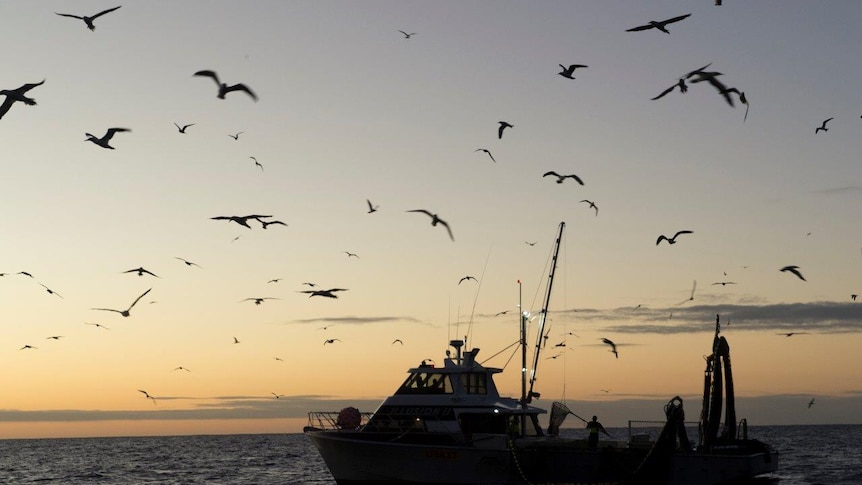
[809,455]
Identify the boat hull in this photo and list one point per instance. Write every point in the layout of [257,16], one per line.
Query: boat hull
[355,459]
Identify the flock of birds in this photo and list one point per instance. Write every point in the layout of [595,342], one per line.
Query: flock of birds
[700,75]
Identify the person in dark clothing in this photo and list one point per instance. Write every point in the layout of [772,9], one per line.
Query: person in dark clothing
[595,427]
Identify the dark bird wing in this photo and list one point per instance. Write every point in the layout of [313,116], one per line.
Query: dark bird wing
[110,133]
[441,221]
[107,310]
[681,232]
[138,298]
[241,87]
[70,15]
[555,174]
[211,74]
[577,179]
[660,239]
[676,19]
[640,27]
[663,93]
[103,12]
[422,211]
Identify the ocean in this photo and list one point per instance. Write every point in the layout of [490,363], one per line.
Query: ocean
[809,455]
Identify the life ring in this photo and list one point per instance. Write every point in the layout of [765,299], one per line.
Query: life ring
[349,418]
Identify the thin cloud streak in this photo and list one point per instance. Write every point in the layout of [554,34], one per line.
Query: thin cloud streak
[235,408]
[819,317]
[357,320]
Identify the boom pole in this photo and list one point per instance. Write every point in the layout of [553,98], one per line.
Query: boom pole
[530,395]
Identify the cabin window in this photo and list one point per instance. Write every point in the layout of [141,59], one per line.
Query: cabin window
[475,384]
[426,383]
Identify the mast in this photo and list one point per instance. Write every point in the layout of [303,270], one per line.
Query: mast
[530,394]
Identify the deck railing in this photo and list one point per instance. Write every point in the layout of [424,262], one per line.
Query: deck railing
[329,419]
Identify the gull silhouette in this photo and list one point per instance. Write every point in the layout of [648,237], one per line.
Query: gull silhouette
[567,72]
[236,136]
[89,19]
[13,95]
[330,293]
[188,263]
[258,301]
[181,368]
[661,25]
[592,205]
[125,312]
[435,220]
[351,255]
[503,126]
[811,402]
[711,78]
[398,340]
[140,271]
[691,297]
[103,141]
[794,270]
[54,337]
[27,347]
[223,88]
[257,163]
[822,126]
[406,35]
[613,346]
[241,220]
[561,178]
[147,395]
[671,240]
[486,151]
[742,99]
[331,341]
[792,334]
[49,290]
[723,283]
[96,325]
[182,129]
[265,224]
[683,88]
[371,207]
[467,278]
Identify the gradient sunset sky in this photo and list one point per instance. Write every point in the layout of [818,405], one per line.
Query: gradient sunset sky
[351,110]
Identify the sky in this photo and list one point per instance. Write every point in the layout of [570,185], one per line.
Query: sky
[350,110]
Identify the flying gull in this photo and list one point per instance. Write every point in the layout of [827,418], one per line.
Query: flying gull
[794,270]
[671,240]
[182,129]
[592,205]
[567,72]
[223,88]
[613,346]
[125,312]
[106,138]
[660,25]
[435,220]
[561,178]
[330,293]
[89,19]
[13,95]
[822,126]
[503,126]
[486,151]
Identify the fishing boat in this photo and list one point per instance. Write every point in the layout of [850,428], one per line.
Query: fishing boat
[450,425]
